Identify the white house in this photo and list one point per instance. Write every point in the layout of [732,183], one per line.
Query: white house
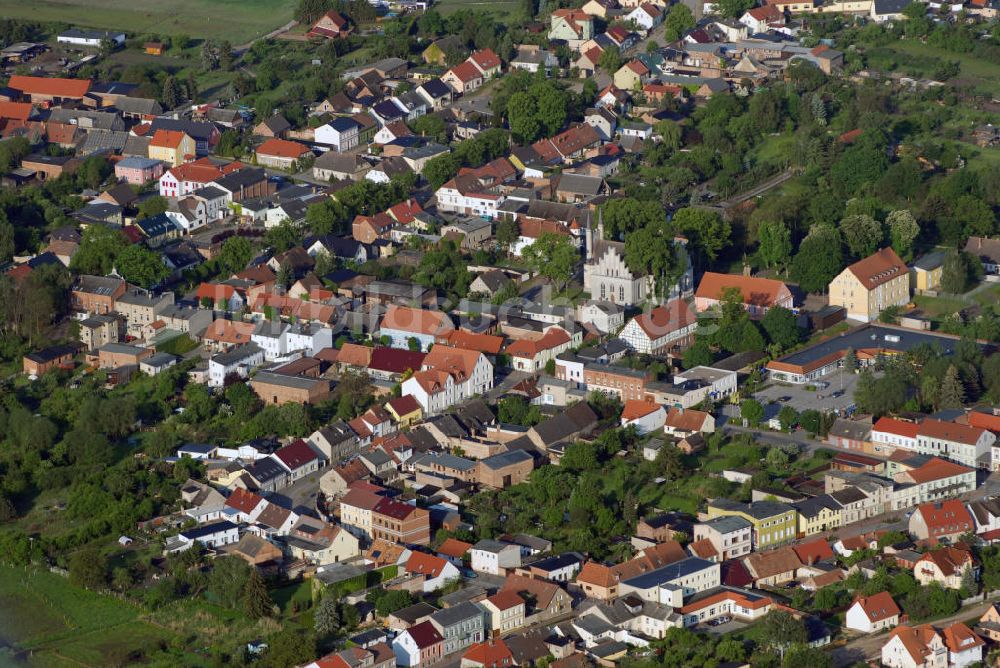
[272,337]
[341,133]
[873,613]
[494,557]
[402,323]
[216,534]
[664,329]
[645,416]
[91,38]
[467,199]
[647,16]
[673,583]
[890,433]
[239,360]
[965,444]
[437,571]
[308,337]
[418,646]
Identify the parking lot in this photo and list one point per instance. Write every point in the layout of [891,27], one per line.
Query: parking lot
[834,393]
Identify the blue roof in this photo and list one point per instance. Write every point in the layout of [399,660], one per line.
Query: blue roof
[669,573]
[343,124]
[872,336]
[159,224]
[138,162]
[197,448]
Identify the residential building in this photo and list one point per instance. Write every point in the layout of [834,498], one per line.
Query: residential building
[872,614]
[239,361]
[436,571]
[400,522]
[941,520]
[543,600]
[946,566]
[667,329]
[460,625]
[171,147]
[672,584]
[869,286]
[281,153]
[44,360]
[504,613]
[96,294]
[571,25]
[494,557]
[757,294]
[419,646]
[773,522]
[967,445]
[730,535]
[402,323]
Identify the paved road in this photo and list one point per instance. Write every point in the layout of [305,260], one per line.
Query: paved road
[870,647]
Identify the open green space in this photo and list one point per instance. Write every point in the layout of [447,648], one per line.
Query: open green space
[938,307]
[62,625]
[975,71]
[502,7]
[236,20]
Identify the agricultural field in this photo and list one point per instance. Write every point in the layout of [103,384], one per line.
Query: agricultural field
[509,8]
[238,21]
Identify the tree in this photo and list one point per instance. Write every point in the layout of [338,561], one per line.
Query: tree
[227,583]
[651,251]
[554,257]
[390,600]
[775,244]
[960,270]
[256,601]
[903,231]
[152,206]
[235,254]
[706,230]
[862,234]
[752,411]
[952,392]
[780,630]
[141,266]
[734,8]
[623,215]
[610,61]
[780,326]
[88,568]
[326,619]
[172,94]
[699,354]
[507,234]
[288,647]
[99,247]
[803,655]
[819,259]
[787,416]
[679,20]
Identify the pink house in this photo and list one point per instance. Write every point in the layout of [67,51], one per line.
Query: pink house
[138,171]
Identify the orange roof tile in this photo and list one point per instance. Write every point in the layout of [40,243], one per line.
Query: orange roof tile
[949,431]
[527,349]
[282,148]
[878,607]
[756,291]
[663,320]
[505,600]
[896,427]
[50,86]
[638,408]
[490,654]
[878,268]
[418,321]
[452,547]
[167,138]
[425,564]
[484,343]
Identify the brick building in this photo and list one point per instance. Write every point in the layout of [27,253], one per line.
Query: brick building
[399,522]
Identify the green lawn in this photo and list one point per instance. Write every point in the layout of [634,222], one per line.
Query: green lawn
[938,307]
[63,625]
[980,73]
[179,345]
[501,7]
[236,20]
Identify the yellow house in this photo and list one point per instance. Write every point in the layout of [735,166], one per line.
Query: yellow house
[172,147]
[871,285]
[773,522]
[631,75]
[404,410]
[818,514]
[925,274]
[845,7]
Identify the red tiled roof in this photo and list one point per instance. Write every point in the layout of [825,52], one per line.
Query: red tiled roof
[949,560]
[526,349]
[50,86]
[878,268]
[395,360]
[958,637]
[485,59]
[425,635]
[937,469]
[813,551]
[983,420]
[949,431]
[637,408]
[665,319]
[505,600]
[296,454]
[737,597]
[167,138]
[466,72]
[415,320]
[754,290]
[18,111]
[404,405]
[452,547]
[394,509]
[896,427]
[425,564]
[484,343]
[946,517]
[282,148]
[878,607]
[243,500]
[490,654]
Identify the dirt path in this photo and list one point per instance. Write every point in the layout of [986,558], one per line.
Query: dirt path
[239,50]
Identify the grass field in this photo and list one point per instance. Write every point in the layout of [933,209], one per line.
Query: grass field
[500,7]
[236,20]
[975,71]
[63,625]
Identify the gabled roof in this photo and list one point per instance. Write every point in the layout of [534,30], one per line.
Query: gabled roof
[296,454]
[813,551]
[425,635]
[768,564]
[896,427]
[490,654]
[485,60]
[167,139]
[958,638]
[466,72]
[282,148]
[946,517]
[937,469]
[755,291]
[949,431]
[418,321]
[452,547]
[663,320]
[639,408]
[425,564]
[878,607]
[52,86]
[243,500]
[949,560]
[880,267]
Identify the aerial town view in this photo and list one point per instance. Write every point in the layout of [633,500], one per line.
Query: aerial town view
[500,333]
